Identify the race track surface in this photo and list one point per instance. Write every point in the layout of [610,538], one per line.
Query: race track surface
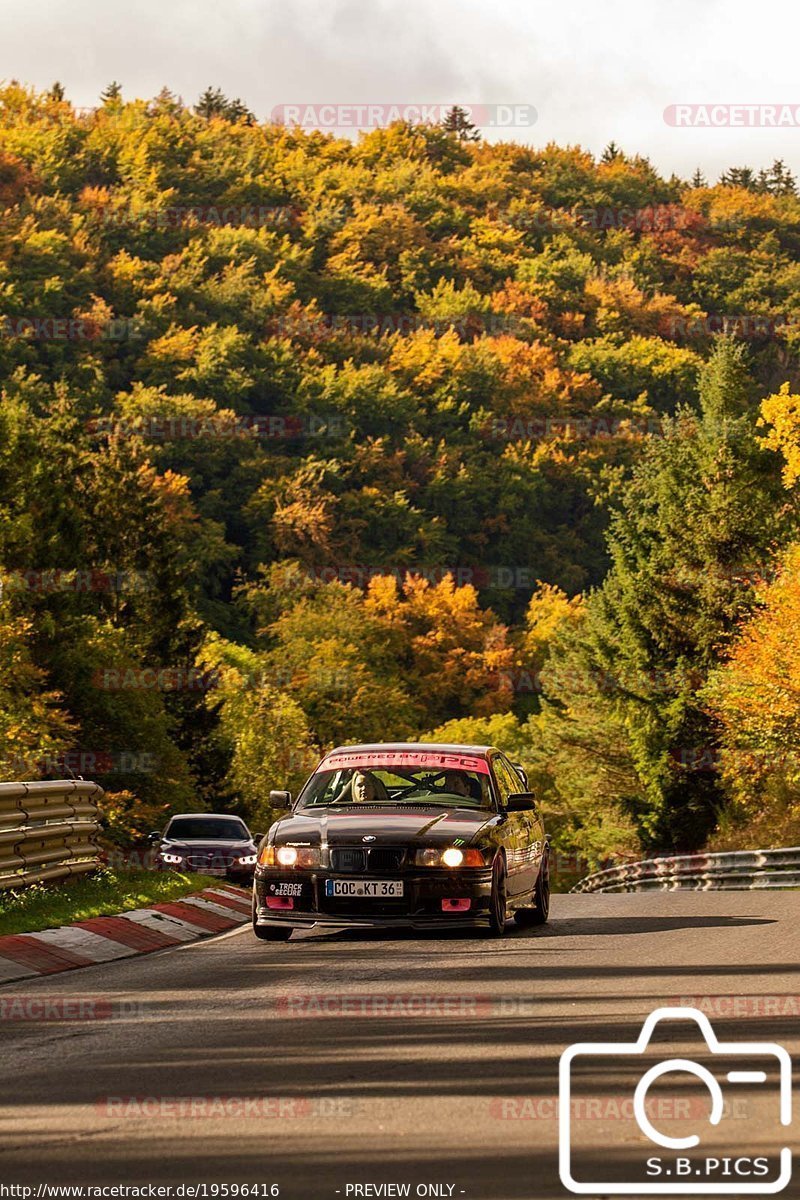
[355,1058]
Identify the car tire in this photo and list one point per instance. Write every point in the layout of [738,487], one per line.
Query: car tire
[538,915]
[270,933]
[498,901]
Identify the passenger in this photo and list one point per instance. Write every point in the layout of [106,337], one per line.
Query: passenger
[456,783]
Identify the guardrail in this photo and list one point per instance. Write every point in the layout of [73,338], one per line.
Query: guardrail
[737,870]
[48,830]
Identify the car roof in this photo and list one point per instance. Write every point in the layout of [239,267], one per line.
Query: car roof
[227,816]
[419,747]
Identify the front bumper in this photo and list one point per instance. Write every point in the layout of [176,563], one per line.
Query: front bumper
[419,907]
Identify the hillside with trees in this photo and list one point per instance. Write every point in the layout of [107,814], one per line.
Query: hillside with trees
[306,440]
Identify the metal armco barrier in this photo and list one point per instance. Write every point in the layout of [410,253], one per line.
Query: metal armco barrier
[739,870]
[48,830]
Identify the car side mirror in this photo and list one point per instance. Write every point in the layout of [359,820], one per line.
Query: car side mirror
[280,799]
[257,837]
[155,836]
[521,802]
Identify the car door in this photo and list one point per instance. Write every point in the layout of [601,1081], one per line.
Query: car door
[533,831]
[514,829]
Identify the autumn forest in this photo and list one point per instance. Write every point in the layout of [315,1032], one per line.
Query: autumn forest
[307,440]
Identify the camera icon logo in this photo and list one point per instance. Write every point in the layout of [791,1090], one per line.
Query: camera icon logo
[646,1159]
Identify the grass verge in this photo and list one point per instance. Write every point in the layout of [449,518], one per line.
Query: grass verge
[46,905]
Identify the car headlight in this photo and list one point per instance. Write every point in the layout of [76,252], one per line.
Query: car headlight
[289,856]
[173,859]
[450,856]
[248,860]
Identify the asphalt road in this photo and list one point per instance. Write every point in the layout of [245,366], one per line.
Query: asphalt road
[345,1059]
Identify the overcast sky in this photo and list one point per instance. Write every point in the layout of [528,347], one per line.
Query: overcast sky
[594,71]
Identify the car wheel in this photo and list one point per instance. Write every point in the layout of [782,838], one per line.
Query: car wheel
[541,900]
[498,900]
[270,933]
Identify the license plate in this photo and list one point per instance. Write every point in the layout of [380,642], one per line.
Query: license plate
[373,889]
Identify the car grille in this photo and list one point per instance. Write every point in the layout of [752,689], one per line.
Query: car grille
[385,858]
[348,861]
[354,860]
[207,862]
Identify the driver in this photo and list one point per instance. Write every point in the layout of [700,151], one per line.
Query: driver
[364,787]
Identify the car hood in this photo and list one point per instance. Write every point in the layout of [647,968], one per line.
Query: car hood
[389,825]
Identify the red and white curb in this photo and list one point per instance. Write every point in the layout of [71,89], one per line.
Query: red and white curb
[141,931]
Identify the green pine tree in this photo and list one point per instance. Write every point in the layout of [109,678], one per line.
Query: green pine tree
[112,94]
[214,103]
[611,152]
[697,519]
[457,122]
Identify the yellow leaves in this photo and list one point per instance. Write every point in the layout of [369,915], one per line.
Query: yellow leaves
[425,359]
[172,491]
[126,268]
[519,300]
[782,412]
[725,205]
[178,345]
[302,524]
[549,609]
[756,693]
[33,726]
[376,235]
[621,306]
[525,363]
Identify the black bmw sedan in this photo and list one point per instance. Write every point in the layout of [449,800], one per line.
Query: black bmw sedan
[405,835]
[208,843]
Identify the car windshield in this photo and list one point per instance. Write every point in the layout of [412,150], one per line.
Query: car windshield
[202,829]
[389,786]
